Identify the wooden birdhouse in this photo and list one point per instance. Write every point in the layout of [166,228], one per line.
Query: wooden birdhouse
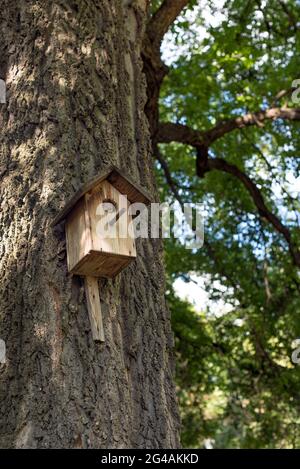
[99,233]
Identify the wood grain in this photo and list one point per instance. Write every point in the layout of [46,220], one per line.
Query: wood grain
[117,241]
[78,235]
[94,308]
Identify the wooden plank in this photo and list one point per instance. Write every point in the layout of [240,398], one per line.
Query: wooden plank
[118,179]
[78,235]
[125,184]
[87,221]
[94,308]
[117,240]
[101,264]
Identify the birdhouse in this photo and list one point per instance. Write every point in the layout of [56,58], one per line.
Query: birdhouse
[99,233]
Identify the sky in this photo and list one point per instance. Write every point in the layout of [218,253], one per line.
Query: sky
[194,291]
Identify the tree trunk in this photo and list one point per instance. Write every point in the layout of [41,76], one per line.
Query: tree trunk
[75,103]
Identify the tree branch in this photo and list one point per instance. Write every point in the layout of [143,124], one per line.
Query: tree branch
[216,260]
[168,176]
[200,140]
[222,165]
[154,68]
[163,18]
[210,250]
[170,132]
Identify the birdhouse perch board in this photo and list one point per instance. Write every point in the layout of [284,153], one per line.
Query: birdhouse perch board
[91,253]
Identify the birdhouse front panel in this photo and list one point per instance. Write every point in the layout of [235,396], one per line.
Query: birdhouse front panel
[107,206]
[100,233]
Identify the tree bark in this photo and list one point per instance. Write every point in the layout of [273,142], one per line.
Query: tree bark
[75,102]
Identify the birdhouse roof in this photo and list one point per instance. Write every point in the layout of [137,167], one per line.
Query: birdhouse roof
[118,179]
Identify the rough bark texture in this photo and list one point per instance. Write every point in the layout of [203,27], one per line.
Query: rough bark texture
[76,97]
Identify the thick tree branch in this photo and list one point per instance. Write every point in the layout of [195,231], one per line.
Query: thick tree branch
[163,18]
[170,132]
[253,119]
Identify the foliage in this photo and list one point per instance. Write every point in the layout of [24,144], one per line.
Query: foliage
[234,391]
[236,384]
